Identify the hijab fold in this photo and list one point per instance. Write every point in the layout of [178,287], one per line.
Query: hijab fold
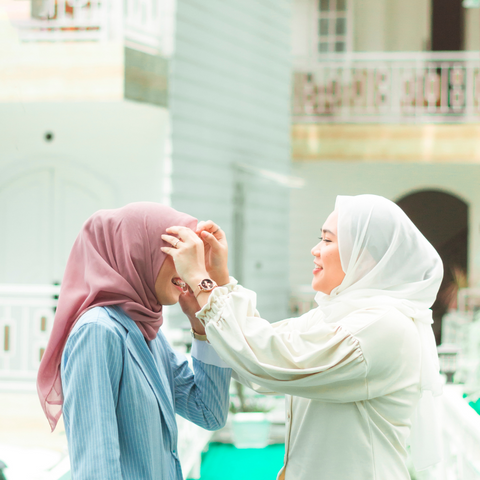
[388,262]
[115,260]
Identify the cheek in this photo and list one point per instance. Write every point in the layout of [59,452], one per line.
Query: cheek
[333,262]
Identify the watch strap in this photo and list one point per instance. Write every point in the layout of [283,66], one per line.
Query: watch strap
[197,336]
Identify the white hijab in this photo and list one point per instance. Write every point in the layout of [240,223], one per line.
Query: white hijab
[387,261]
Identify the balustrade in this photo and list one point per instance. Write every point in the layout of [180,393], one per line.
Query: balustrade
[149,23]
[26,320]
[461,437]
[396,87]
[143,23]
[61,20]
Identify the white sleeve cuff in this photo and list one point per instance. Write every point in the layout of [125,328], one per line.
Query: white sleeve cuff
[204,352]
[230,286]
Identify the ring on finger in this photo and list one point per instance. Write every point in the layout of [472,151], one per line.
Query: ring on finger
[174,245]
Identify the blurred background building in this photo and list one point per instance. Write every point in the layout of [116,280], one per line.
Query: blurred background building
[386,100]
[255,114]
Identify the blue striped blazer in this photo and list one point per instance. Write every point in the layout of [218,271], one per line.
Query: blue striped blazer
[121,394]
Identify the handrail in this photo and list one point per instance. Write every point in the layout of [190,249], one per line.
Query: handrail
[311,62]
[24,289]
[387,86]
[461,436]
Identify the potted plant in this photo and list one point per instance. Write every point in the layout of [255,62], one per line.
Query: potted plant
[250,425]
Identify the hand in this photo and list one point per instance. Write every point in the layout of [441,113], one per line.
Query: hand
[188,254]
[190,307]
[216,251]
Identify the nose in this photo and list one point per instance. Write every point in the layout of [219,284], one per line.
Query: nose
[316,250]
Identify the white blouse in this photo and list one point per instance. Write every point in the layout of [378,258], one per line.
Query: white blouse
[351,386]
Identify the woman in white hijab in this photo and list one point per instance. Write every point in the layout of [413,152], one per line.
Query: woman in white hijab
[360,371]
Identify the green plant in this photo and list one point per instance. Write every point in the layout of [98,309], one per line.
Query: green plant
[2,473]
[449,294]
[241,402]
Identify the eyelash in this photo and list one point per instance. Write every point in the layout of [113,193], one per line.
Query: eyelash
[323,239]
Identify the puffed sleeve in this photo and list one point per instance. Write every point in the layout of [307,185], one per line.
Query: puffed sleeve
[300,357]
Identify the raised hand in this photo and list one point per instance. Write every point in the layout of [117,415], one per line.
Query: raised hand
[188,253]
[216,251]
[190,307]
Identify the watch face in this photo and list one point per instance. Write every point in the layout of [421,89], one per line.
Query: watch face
[207,284]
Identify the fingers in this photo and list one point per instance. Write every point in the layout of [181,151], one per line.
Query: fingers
[208,226]
[209,238]
[172,240]
[168,250]
[183,233]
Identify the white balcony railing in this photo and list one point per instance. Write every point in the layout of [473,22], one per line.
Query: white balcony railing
[149,24]
[26,320]
[144,24]
[461,437]
[66,20]
[395,87]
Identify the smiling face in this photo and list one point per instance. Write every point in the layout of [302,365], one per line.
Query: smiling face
[168,292]
[328,272]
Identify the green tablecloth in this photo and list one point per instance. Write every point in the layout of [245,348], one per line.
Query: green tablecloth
[225,462]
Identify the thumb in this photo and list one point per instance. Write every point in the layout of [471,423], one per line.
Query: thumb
[188,303]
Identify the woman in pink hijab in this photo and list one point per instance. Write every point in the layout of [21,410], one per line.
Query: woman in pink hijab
[109,369]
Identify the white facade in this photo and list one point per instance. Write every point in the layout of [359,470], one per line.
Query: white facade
[388,76]
[102,155]
[379,26]
[69,143]
[325,180]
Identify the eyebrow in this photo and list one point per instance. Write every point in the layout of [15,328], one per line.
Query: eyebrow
[328,231]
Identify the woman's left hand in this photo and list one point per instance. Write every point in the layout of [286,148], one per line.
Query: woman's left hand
[188,254]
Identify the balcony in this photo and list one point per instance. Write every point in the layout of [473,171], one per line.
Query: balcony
[143,24]
[65,20]
[403,87]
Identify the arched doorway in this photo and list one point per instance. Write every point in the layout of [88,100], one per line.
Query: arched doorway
[443,219]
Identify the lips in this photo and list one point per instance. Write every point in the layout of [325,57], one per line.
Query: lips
[179,283]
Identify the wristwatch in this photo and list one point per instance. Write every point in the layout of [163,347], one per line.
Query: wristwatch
[196,335]
[206,285]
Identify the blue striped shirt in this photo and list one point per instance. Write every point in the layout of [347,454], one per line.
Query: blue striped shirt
[121,394]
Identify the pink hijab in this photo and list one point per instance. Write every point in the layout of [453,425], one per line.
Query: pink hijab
[115,260]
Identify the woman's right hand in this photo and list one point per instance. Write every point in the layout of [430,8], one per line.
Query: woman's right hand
[190,307]
[216,251]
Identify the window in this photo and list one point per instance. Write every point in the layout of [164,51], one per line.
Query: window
[332,26]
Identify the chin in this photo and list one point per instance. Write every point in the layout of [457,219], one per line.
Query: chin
[173,300]
[319,288]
